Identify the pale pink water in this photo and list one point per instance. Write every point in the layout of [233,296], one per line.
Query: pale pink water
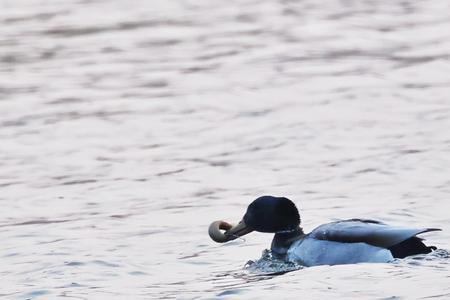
[126,127]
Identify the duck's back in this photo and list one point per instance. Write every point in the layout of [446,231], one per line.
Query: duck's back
[356,241]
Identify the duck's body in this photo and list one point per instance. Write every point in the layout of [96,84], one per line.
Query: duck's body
[341,242]
[355,241]
[311,252]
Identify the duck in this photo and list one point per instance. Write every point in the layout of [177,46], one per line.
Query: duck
[341,242]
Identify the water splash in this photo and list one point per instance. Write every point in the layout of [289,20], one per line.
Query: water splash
[269,264]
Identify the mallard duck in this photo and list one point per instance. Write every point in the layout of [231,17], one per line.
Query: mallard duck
[341,242]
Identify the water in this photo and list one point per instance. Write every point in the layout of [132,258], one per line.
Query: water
[127,127]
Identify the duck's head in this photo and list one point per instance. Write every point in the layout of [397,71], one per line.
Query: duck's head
[265,214]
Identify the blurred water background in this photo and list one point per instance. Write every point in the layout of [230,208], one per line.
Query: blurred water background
[126,127]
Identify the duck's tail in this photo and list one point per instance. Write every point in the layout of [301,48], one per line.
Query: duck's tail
[412,246]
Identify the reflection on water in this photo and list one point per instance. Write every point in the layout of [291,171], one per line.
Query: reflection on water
[127,128]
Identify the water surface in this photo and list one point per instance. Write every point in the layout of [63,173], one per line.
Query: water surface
[127,127]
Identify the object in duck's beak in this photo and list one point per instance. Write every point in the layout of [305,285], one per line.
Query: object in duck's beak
[231,232]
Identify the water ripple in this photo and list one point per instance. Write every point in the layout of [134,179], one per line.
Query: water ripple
[126,129]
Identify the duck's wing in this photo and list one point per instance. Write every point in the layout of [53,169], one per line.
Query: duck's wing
[366,231]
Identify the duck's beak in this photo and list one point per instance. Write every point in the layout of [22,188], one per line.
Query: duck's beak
[230,232]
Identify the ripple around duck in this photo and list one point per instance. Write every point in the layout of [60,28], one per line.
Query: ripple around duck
[437,259]
[268,265]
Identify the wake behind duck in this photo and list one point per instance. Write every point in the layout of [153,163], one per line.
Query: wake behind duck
[342,242]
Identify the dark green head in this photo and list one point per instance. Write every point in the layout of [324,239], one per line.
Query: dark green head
[272,214]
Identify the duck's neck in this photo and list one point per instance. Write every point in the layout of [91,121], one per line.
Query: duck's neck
[283,240]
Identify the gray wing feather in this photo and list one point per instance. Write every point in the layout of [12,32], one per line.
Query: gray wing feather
[366,231]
